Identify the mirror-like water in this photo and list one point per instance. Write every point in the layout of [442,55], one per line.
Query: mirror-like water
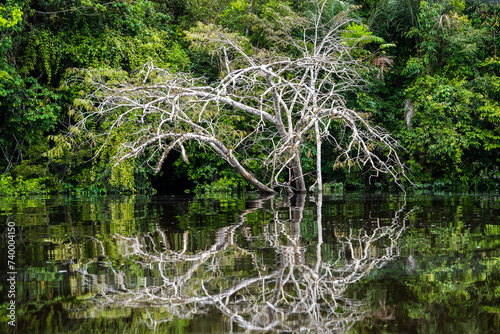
[357,263]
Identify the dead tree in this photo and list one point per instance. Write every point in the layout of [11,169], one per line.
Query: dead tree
[263,110]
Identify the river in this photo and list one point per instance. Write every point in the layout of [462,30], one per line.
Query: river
[347,263]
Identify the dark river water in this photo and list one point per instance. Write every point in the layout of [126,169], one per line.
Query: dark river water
[352,263]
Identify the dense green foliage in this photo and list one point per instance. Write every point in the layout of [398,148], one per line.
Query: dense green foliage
[447,70]
[439,57]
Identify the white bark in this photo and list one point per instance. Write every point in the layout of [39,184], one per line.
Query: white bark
[319,174]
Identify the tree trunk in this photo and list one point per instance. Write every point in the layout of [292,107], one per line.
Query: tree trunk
[249,177]
[298,175]
[319,175]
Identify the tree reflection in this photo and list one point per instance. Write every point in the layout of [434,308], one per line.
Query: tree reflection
[259,281]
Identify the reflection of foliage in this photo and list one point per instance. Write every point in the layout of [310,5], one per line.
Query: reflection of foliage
[452,280]
[449,271]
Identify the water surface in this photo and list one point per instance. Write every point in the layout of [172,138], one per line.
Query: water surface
[355,263]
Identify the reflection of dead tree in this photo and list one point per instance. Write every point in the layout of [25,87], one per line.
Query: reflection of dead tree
[290,293]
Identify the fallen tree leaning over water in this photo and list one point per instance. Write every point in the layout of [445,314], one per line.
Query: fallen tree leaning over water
[257,117]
